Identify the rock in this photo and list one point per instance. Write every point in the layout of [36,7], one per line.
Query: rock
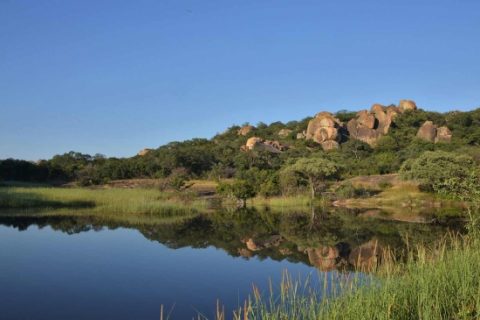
[251,245]
[369,126]
[359,132]
[366,119]
[272,241]
[324,129]
[253,143]
[406,105]
[301,135]
[245,253]
[330,145]
[273,146]
[367,256]
[258,144]
[428,131]
[443,135]
[284,133]
[243,131]
[324,258]
[144,152]
[384,118]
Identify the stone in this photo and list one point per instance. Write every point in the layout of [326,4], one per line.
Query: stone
[301,135]
[366,119]
[253,142]
[245,130]
[359,132]
[284,133]
[427,132]
[369,126]
[144,152]
[329,145]
[443,135]
[324,129]
[407,105]
[256,143]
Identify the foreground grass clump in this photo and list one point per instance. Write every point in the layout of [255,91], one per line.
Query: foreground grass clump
[102,201]
[438,283]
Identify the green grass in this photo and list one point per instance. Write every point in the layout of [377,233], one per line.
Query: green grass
[290,202]
[439,282]
[99,201]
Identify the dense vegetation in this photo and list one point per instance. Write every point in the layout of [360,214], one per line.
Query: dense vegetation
[220,157]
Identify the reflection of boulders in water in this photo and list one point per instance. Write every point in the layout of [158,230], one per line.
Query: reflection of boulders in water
[367,256]
[245,253]
[256,245]
[431,133]
[327,258]
[324,258]
[285,251]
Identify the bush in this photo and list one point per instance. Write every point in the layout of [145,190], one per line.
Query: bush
[444,172]
[239,189]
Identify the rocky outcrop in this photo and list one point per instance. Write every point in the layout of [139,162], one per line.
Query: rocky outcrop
[430,132]
[443,135]
[243,131]
[144,152]
[369,126]
[283,133]
[258,144]
[324,129]
[301,135]
[407,105]
[427,132]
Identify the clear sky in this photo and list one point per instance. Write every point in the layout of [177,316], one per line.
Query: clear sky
[116,76]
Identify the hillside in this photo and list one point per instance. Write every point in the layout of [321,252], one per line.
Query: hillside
[373,141]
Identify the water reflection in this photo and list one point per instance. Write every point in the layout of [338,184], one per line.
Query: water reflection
[327,239]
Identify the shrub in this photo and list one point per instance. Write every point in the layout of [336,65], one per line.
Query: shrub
[444,172]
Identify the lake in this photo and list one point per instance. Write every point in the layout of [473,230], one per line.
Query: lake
[84,267]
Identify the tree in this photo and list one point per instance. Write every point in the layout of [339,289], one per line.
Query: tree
[444,172]
[239,189]
[316,171]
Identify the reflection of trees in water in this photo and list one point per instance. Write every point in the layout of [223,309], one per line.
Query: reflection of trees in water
[325,239]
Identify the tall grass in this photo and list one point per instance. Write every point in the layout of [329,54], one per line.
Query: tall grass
[101,201]
[439,282]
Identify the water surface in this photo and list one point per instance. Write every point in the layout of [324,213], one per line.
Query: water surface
[85,268]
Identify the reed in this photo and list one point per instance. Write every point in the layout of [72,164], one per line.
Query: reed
[436,282]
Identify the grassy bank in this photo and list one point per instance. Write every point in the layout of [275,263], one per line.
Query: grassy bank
[101,201]
[438,282]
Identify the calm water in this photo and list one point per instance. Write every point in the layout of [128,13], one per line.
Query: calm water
[82,268]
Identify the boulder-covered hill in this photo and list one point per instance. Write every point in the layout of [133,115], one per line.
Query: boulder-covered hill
[330,131]
[375,140]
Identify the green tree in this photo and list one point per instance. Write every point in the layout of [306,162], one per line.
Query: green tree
[239,189]
[444,172]
[316,170]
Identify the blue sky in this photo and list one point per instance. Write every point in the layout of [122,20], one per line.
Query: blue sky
[116,76]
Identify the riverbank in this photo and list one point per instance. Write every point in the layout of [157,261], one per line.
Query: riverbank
[436,282]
